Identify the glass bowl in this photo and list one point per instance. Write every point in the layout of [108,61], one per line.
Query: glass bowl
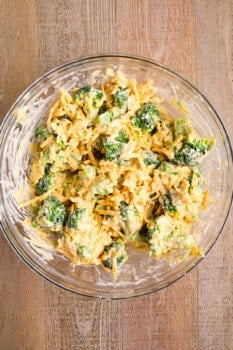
[140,274]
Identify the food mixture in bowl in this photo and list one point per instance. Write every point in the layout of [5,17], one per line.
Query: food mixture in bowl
[110,167]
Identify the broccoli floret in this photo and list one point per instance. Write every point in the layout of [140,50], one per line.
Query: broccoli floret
[81,93]
[51,214]
[112,150]
[167,167]
[151,158]
[167,204]
[145,234]
[203,145]
[181,127]
[99,95]
[75,217]
[191,152]
[105,118]
[116,245]
[45,155]
[196,170]
[146,118]
[187,155]
[120,97]
[83,251]
[94,97]
[121,137]
[60,143]
[44,184]
[130,220]
[99,143]
[114,250]
[152,234]
[124,207]
[161,226]
[195,179]
[42,133]
[119,260]
[47,168]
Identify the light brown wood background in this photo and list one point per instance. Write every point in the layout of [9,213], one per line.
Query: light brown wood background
[196,38]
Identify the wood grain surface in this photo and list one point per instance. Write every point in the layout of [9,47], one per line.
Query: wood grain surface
[194,37]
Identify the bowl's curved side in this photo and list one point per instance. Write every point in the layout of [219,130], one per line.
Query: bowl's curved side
[141,274]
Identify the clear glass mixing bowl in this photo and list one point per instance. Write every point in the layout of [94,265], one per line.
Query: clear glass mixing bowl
[140,274]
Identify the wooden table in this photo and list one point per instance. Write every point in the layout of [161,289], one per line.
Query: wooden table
[196,38]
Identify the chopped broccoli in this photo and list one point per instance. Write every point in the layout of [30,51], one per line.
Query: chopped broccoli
[112,150]
[77,180]
[195,180]
[116,245]
[81,92]
[72,185]
[124,207]
[121,137]
[44,184]
[131,218]
[196,169]
[112,251]
[187,155]
[42,133]
[151,158]
[98,145]
[146,118]
[75,217]
[99,95]
[145,234]
[191,152]
[181,127]
[94,97]
[120,97]
[90,100]
[47,168]
[163,226]
[60,143]
[51,214]
[45,155]
[100,207]
[105,118]
[167,204]
[203,145]
[35,223]
[160,231]
[109,149]
[83,251]
[195,172]
[167,167]
[119,260]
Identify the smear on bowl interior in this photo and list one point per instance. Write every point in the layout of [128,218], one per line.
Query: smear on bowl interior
[110,167]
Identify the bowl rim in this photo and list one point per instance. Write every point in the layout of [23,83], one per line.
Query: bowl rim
[180,76]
